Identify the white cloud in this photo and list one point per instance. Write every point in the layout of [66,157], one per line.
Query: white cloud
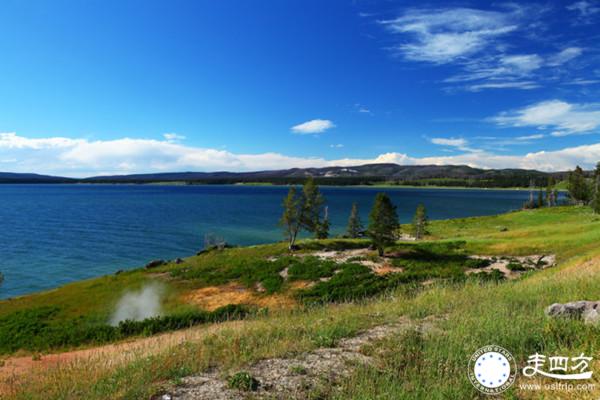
[10,140]
[503,85]
[585,11]
[531,137]
[564,56]
[479,42]
[584,8]
[82,157]
[445,35]
[173,137]
[450,142]
[564,118]
[313,126]
[336,146]
[459,143]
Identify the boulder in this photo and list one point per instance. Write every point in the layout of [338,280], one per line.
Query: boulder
[154,264]
[588,311]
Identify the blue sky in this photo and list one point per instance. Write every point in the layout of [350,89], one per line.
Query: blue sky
[95,87]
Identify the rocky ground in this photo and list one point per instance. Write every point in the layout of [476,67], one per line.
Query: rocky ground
[291,378]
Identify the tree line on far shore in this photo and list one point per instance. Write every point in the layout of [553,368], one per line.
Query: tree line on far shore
[305,210]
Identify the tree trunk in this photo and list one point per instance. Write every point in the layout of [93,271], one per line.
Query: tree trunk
[380,251]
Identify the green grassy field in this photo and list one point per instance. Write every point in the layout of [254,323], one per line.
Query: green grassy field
[470,312]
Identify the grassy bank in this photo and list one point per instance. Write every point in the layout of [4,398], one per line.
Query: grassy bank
[470,312]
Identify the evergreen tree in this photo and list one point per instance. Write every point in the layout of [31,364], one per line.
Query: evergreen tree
[550,201]
[578,186]
[596,196]
[292,216]
[383,223]
[323,228]
[420,222]
[540,202]
[355,226]
[312,208]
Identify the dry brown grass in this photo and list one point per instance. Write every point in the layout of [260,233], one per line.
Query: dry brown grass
[213,297]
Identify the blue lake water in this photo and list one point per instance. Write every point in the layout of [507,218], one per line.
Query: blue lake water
[54,234]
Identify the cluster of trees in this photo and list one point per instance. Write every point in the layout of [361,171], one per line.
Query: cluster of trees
[306,210]
[585,191]
[547,197]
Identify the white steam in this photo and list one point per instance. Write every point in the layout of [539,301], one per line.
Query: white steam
[139,305]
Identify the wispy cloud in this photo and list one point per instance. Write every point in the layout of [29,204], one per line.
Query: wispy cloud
[313,126]
[362,109]
[173,137]
[480,43]
[82,157]
[336,146]
[446,35]
[458,143]
[537,136]
[564,56]
[564,118]
[585,10]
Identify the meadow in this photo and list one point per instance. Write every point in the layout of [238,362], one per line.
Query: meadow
[469,312]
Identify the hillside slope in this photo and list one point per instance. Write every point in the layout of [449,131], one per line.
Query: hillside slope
[467,313]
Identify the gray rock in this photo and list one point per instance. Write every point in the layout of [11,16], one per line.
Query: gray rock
[585,310]
[154,264]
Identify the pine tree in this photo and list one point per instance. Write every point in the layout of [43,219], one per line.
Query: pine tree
[312,207]
[323,229]
[540,202]
[578,186]
[596,197]
[292,216]
[420,222]
[383,223]
[355,226]
[550,201]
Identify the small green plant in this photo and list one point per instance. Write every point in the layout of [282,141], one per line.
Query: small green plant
[243,381]
[298,370]
[477,263]
[491,276]
[516,266]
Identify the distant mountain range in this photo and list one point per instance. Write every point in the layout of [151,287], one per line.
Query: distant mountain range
[445,175]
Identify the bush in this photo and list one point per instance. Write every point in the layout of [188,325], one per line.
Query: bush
[243,381]
[37,329]
[311,268]
[354,281]
[516,266]
[477,263]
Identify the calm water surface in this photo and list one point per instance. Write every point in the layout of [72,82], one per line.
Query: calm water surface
[54,234]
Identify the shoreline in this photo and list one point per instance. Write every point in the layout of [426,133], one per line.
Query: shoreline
[269,184]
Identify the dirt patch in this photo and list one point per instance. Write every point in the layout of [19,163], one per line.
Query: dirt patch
[529,263]
[213,297]
[379,265]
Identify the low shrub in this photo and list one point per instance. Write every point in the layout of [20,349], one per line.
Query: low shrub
[243,381]
[516,266]
[37,330]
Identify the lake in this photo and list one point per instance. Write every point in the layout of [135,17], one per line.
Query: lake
[55,234]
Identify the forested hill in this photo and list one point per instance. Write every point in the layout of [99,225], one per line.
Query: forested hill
[13,177]
[417,175]
[449,175]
